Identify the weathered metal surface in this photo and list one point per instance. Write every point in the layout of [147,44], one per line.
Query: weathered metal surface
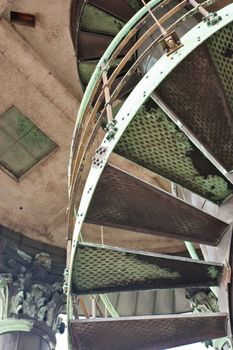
[153,141]
[119,9]
[200,103]
[221,49]
[102,269]
[157,333]
[92,45]
[97,21]
[121,200]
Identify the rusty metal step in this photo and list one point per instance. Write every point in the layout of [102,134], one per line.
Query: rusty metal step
[123,201]
[146,333]
[205,106]
[105,269]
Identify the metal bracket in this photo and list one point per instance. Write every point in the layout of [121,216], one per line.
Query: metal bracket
[111,129]
[170,43]
[212,19]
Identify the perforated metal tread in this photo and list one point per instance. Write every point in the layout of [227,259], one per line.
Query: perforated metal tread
[153,141]
[221,50]
[200,102]
[146,333]
[120,9]
[121,200]
[95,20]
[101,269]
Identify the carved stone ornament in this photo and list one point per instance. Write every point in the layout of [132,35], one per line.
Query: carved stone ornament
[30,290]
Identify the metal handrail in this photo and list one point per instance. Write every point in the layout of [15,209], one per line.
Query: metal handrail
[87,124]
[90,90]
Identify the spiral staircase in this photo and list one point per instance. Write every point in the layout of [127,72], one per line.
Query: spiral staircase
[158,93]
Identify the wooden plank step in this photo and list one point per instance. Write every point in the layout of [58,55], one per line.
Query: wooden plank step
[123,201]
[146,333]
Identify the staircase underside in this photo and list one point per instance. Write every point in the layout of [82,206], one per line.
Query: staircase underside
[147,333]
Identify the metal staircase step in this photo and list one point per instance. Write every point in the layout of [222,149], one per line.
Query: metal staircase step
[105,269]
[119,9]
[95,20]
[153,141]
[204,100]
[123,201]
[92,46]
[146,333]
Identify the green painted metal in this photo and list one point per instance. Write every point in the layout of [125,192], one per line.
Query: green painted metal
[87,68]
[153,141]
[98,70]
[101,268]
[191,250]
[107,303]
[97,21]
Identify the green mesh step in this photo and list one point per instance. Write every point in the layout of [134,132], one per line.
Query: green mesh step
[101,269]
[146,333]
[153,141]
[120,8]
[97,21]
[86,69]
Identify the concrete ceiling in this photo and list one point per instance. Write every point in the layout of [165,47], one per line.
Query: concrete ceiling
[38,76]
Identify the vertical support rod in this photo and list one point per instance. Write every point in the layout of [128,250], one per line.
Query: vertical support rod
[93,306]
[163,30]
[107,95]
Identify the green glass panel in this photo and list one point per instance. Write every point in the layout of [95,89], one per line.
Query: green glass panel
[15,123]
[22,144]
[17,160]
[6,141]
[37,143]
